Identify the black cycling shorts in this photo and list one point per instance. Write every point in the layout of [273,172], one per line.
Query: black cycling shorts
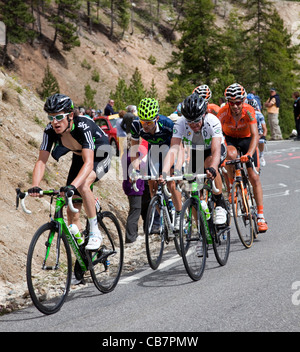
[242,145]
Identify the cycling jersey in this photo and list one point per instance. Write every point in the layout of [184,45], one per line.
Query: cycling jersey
[162,135]
[85,132]
[240,128]
[211,128]
[213,109]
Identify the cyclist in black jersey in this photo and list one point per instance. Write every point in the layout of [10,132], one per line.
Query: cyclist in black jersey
[91,157]
[157,130]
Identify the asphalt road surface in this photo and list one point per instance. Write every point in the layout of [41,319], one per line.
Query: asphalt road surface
[258,289]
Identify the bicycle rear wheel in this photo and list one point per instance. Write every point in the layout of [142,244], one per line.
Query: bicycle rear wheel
[49,269]
[107,261]
[192,239]
[154,233]
[242,215]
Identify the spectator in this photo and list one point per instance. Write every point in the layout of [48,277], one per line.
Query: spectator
[134,198]
[296,97]
[272,105]
[130,115]
[109,108]
[121,133]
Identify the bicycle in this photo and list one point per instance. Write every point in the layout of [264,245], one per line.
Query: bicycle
[159,224]
[49,259]
[244,208]
[198,231]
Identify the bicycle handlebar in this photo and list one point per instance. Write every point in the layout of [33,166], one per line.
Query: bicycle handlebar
[22,196]
[188,177]
[238,160]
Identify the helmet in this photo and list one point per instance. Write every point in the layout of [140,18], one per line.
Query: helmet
[148,109]
[203,91]
[251,101]
[58,102]
[235,92]
[194,107]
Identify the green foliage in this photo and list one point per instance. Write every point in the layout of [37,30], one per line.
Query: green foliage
[89,95]
[133,93]
[64,23]
[49,85]
[95,76]
[17,18]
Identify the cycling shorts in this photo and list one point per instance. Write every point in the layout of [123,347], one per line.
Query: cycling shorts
[242,144]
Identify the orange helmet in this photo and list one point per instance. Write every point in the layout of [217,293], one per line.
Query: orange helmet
[235,92]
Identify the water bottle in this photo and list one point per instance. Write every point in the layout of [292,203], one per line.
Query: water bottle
[205,209]
[172,208]
[76,233]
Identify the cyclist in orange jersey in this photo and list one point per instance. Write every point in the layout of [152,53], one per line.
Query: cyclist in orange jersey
[240,130]
[205,92]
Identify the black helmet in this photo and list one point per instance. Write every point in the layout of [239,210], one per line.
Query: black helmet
[194,107]
[58,102]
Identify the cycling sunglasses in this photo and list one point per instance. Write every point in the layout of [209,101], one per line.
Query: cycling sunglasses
[147,123]
[237,103]
[57,117]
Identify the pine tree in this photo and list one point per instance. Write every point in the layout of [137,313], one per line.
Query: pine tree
[49,85]
[136,90]
[64,23]
[89,95]
[17,18]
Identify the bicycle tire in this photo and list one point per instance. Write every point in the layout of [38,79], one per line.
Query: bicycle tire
[192,239]
[221,237]
[154,240]
[48,286]
[107,261]
[240,210]
[253,208]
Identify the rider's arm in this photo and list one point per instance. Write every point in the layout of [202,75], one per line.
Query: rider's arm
[39,170]
[87,167]
[134,155]
[254,139]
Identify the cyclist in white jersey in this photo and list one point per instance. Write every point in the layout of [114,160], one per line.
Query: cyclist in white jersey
[202,133]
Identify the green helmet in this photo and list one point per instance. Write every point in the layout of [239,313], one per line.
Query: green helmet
[148,109]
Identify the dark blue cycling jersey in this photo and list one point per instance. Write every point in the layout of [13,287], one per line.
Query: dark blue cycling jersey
[162,135]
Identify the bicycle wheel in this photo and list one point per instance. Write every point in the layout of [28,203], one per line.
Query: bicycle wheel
[253,208]
[192,239]
[154,233]
[107,261]
[242,216]
[49,269]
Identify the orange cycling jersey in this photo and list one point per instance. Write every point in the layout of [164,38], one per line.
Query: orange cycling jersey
[240,128]
[213,109]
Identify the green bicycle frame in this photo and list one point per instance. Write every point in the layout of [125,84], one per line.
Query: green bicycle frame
[195,195]
[62,227]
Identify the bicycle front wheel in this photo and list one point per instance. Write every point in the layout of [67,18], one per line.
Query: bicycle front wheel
[242,215]
[154,233]
[49,269]
[107,261]
[192,239]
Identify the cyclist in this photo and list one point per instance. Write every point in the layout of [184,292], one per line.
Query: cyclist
[195,128]
[157,130]
[240,129]
[91,157]
[261,125]
[205,92]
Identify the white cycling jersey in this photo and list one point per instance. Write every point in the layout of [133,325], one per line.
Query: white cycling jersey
[211,128]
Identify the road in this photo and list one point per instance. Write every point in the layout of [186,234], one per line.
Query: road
[258,289]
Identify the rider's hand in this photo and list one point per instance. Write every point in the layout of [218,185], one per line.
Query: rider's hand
[162,178]
[134,175]
[34,191]
[68,190]
[211,172]
[245,158]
